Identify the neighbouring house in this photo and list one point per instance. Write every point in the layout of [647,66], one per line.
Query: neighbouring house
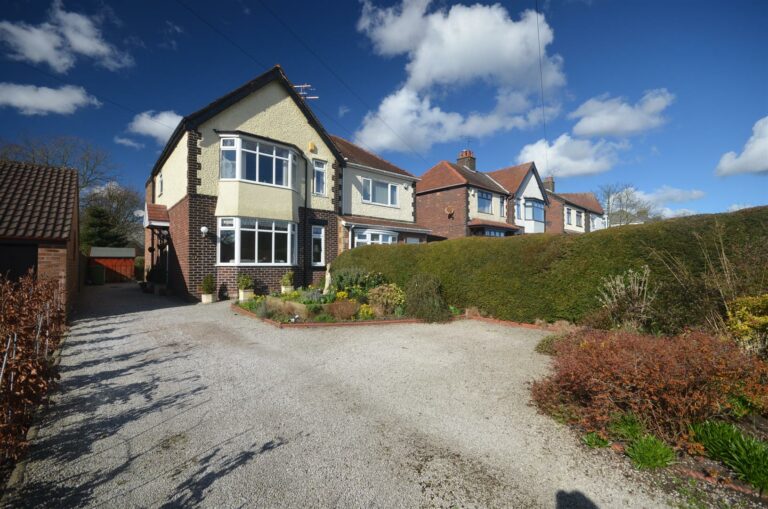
[253,184]
[527,195]
[573,212]
[112,264]
[39,224]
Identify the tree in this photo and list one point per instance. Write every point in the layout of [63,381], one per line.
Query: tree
[623,204]
[94,166]
[99,229]
[123,206]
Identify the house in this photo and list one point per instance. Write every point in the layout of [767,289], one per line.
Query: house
[112,264]
[457,200]
[527,195]
[573,212]
[39,224]
[253,184]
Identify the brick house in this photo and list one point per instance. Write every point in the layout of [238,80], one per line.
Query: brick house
[253,184]
[39,224]
[572,212]
[457,200]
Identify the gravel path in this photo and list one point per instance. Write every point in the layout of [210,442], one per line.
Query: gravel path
[166,405]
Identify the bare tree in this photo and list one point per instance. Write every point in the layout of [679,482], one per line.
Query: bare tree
[123,206]
[94,165]
[624,205]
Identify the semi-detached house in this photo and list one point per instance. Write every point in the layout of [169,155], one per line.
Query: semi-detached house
[253,184]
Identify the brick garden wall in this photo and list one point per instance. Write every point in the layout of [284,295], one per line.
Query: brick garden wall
[430,211]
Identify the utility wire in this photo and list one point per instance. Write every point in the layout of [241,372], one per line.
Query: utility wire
[541,82]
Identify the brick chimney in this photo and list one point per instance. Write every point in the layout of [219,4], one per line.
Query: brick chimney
[549,184]
[467,159]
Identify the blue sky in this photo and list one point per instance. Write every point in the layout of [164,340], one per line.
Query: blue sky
[671,97]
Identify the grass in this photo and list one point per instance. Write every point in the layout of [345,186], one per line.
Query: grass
[595,441]
[626,427]
[648,452]
[745,455]
[547,345]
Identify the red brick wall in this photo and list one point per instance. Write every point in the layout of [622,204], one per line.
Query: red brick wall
[430,211]
[554,216]
[53,263]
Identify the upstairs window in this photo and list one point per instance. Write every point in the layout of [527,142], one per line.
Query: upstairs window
[319,177]
[534,210]
[160,184]
[579,218]
[568,219]
[518,211]
[484,202]
[502,206]
[379,192]
[256,161]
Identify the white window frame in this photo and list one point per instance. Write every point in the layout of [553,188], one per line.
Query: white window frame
[568,213]
[485,194]
[535,204]
[390,188]
[494,233]
[368,232]
[160,183]
[320,236]
[322,170]
[236,227]
[579,219]
[502,207]
[291,177]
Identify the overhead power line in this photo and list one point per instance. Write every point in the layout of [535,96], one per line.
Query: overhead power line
[541,83]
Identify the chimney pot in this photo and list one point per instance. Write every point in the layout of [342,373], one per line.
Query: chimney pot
[467,159]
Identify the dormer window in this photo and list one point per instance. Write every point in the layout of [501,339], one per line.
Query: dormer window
[257,161]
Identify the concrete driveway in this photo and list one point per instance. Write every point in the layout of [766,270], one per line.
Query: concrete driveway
[170,405]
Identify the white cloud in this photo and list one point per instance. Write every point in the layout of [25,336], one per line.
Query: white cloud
[605,116]
[169,31]
[567,157]
[58,41]
[158,125]
[669,213]
[33,100]
[343,110]
[739,206]
[666,194]
[754,157]
[450,48]
[120,140]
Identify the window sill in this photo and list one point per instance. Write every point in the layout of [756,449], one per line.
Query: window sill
[380,204]
[319,195]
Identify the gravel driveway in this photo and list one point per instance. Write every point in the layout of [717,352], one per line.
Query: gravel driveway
[164,405]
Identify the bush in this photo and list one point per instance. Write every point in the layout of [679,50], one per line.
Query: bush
[386,298]
[257,305]
[748,322]
[244,282]
[547,345]
[627,298]
[649,452]
[366,312]
[669,383]
[325,317]
[745,455]
[343,309]
[556,277]
[208,285]
[424,299]
[138,268]
[287,279]
[356,281]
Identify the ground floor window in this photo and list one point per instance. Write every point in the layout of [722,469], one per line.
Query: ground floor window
[366,237]
[318,246]
[413,240]
[491,232]
[250,241]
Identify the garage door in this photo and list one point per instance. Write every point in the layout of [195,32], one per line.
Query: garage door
[17,259]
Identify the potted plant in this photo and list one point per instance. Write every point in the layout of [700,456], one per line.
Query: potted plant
[244,287]
[207,288]
[286,282]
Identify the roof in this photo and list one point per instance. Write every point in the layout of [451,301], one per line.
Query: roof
[446,174]
[512,177]
[376,222]
[493,224]
[194,120]
[113,252]
[358,155]
[586,201]
[37,201]
[156,215]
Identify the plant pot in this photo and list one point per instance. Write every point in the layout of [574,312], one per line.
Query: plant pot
[286,289]
[206,298]
[244,295]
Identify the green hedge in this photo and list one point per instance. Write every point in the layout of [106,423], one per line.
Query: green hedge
[555,277]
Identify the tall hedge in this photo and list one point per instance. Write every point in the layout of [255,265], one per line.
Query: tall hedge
[555,277]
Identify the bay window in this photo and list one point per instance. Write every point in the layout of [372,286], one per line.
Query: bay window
[379,192]
[249,241]
[318,246]
[484,202]
[257,161]
[318,179]
[367,237]
[534,210]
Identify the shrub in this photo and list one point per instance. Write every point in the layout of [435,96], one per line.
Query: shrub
[745,455]
[343,309]
[424,299]
[554,277]
[208,285]
[244,282]
[257,305]
[748,323]
[355,280]
[366,312]
[649,452]
[386,298]
[287,279]
[314,307]
[548,344]
[627,298]
[626,427]
[594,440]
[669,383]
[311,296]
[325,317]
[138,268]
